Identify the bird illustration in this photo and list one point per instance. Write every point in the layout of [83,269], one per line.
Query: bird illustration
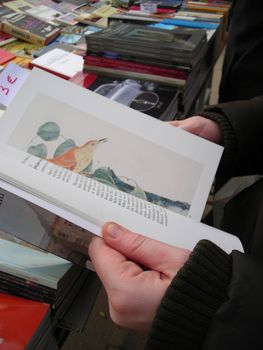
[78,158]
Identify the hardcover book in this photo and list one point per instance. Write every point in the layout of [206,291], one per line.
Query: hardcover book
[30,29]
[91,160]
[6,38]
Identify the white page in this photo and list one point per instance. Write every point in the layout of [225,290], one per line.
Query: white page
[94,207]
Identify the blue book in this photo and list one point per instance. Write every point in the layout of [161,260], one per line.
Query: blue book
[189,23]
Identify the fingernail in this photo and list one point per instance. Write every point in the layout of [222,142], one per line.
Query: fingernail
[113,230]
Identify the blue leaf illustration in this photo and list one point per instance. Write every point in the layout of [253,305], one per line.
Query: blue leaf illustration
[39,150]
[64,146]
[49,131]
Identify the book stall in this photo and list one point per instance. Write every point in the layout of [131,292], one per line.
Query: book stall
[85,77]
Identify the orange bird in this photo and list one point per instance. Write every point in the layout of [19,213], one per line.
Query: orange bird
[77,158]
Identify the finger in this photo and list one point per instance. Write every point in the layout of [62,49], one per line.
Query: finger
[110,264]
[145,251]
[175,122]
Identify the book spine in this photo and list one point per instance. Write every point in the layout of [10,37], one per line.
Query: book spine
[135,67]
[23,34]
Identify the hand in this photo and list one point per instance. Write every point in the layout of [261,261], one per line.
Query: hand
[200,126]
[135,272]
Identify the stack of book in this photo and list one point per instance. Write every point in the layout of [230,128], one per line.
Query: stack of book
[172,57]
[35,274]
[212,7]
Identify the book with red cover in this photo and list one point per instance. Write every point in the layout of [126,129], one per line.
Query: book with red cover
[119,64]
[6,38]
[19,320]
[5,56]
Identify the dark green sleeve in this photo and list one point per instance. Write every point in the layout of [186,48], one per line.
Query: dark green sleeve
[241,123]
[198,290]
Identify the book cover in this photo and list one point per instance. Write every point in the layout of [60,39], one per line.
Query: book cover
[60,62]
[21,48]
[20,319]
[30,29]
[5,56]
[45,13]
[18,5]
[90,160]
[68,19]
[5,38]
[5,11]
[190,24]
[157,100]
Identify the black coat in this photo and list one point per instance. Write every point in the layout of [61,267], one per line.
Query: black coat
[215,302]
[242,70]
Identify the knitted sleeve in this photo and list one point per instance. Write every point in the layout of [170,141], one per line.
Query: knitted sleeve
[228,138]
[195,294]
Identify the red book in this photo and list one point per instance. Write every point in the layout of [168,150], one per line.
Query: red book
[135,67]
[6,38]
[5,56]
[19,320]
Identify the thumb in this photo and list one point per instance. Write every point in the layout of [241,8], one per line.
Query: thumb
[142,250]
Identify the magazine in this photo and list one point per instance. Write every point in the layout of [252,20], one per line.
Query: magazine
[90,160]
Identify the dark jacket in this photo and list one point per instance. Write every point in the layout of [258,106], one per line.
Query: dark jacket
[215,302]
[242,72]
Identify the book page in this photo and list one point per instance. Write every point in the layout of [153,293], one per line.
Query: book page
[92,203]
[95,137]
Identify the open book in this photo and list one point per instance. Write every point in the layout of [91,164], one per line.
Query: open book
[90,160]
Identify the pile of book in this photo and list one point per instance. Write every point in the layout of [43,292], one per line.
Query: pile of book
[168,57]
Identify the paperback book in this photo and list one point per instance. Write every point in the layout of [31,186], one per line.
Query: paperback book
[30,29]
[91,160]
